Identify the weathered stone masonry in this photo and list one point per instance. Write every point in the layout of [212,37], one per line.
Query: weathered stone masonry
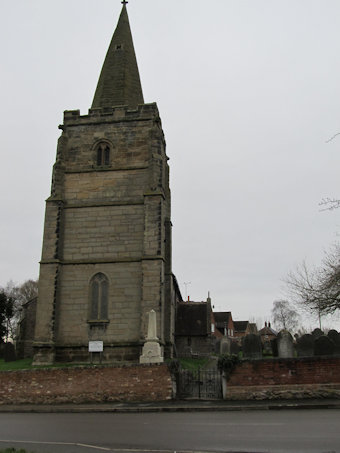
[111,220]
[106,259]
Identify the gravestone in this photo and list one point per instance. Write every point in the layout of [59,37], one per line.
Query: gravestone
[305,345]
[324,346]
[252,346]
[234,348]
[273,343]
[186,351]
[267,348]
[285,345]
[9,353]
[335,337]
[225,346]
[317,333]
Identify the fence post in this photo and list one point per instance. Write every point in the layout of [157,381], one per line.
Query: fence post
[199,383]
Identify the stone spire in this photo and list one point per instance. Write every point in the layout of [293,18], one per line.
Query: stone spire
[119,82]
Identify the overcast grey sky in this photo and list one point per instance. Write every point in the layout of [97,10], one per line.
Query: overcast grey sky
[248,92]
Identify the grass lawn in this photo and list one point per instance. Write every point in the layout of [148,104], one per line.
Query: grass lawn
[26,364]
[193,364]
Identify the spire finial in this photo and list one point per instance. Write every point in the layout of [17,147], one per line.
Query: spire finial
[124,2]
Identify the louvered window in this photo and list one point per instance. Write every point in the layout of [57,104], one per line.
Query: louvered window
[103,155]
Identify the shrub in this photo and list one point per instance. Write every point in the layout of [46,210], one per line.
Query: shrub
[227,363]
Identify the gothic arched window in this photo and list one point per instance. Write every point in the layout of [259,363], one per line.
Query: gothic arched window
[99,294]
[103,154]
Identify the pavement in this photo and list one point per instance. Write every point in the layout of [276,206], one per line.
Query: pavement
[175,406]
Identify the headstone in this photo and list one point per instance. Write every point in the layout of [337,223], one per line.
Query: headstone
[225,346]
[186,351]
[152,351]
[324,346]
[335,337]
[9,353]
[317,333]
[217,346]
[273,343]
[234,348]
[305,345]
[267,348]
[285,345]
[252,346]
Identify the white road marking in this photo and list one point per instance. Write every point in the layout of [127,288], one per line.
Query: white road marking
[97,447]
[240,424]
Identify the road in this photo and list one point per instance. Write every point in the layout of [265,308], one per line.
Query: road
[245,431]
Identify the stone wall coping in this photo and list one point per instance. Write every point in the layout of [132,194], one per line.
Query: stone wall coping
[291,359]
[248,388]
[44,369]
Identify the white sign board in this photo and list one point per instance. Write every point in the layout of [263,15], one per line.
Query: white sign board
[95,346]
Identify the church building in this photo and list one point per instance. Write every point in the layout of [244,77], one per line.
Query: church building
[106,255]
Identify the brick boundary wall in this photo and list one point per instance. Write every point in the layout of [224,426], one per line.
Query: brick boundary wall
[86,385]
[305,377]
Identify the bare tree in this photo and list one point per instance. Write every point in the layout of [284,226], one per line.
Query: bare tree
[16,296]
[6,314]
[26,291]
[284,315]
[329,204]
[318,289]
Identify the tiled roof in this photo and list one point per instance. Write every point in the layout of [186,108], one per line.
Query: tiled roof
[222,318]
[241,326]
[267,331]
[193,318]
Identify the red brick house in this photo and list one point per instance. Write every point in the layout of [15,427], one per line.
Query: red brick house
[267,333]
[224,323]
[243,328]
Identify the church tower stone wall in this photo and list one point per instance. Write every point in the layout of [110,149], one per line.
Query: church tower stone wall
[106,258]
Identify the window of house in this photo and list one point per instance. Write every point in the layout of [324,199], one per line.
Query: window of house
[103,154]
[99,292]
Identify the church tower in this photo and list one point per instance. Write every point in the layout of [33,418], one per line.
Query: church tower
[106,256]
